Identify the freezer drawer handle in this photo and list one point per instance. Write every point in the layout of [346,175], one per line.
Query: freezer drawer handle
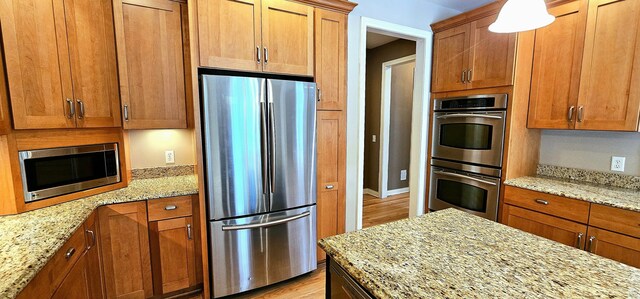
[464,177]
[266,224]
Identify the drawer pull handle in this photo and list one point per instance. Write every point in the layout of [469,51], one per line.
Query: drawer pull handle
[189,234]
[542,202]
[70,253]
[170,207]
[579,241]
[93,239]
[329,187]
[591,239]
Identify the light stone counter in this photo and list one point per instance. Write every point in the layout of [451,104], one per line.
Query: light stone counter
[623,198]
[452,254]
[29,240]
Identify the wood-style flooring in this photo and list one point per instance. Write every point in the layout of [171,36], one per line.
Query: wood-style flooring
[376,211]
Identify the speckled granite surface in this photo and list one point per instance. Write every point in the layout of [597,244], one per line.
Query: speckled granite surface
[601,194]
[159,172]
[590,176]
[452,254]
[29,240]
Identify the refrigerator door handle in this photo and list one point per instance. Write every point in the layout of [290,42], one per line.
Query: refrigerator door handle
[265,224]
[272,156]
[264,147]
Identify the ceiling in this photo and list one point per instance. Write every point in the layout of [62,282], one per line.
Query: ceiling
[376,40]
[461,5]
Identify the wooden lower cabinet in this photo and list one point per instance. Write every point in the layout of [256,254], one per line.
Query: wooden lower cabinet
[557,229]
[77,283]
[173,254]
[124,238]
[615,246]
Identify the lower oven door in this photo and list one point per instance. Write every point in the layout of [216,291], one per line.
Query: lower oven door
[255,251]
[469,192]
[469,137]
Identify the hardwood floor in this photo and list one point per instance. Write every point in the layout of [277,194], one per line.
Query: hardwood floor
[378,211]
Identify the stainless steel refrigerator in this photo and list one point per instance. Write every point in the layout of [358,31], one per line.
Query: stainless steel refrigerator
[260,158]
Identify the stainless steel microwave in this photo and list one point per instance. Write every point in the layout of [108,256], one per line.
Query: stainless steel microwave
[52,172]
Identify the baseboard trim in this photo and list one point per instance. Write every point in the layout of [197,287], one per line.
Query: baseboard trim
[397,191]
[371,192]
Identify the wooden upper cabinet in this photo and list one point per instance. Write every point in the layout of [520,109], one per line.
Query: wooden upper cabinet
[556,68]
[331,59]
[491,56]
[230,34]
[331,175]
[450,58]
[615,246]
[124,243]
[152,63]
[92,54]
[287,37]
[609,96]
[173,254]
[5,119]
[37,63]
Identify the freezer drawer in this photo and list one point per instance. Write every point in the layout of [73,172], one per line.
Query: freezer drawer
[251,252]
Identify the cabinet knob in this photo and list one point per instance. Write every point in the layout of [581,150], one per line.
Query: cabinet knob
[328,187]
[69,253]
[170,207]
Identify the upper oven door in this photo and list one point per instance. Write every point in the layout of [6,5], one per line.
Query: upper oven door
[470,137]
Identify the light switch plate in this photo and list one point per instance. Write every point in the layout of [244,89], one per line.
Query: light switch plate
[169,157]
[403,175]
[617,163]
[374,138]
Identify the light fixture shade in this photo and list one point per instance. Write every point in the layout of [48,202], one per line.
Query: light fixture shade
[521,15]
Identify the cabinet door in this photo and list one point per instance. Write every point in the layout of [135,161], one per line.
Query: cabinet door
[330,175]
[93,257]
[76,284]
[173,255]
[450,58]
[287,37]
[557,229]
[491,57]
[5,121]
[229,34]
[152,69]
[610,82]
[92,52]
[614,246]
[37,63]
[124,240]
[556,68]
[331,59]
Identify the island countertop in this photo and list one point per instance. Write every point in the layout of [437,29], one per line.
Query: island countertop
[452,254]
[29,240]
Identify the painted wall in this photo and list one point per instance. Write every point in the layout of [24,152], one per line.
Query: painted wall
[375,58]
[590,150]
[418,14]
[147,147]
[400,127]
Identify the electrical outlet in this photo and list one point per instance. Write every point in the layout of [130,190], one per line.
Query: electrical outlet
[403,175]
[617,163]
[374,138]
[169,157]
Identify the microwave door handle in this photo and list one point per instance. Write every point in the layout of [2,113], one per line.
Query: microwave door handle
[464,177]
[461,115]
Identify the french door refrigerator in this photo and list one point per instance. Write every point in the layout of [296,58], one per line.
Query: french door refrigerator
[260,159]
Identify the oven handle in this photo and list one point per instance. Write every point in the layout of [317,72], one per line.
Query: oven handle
[460,115]
[464,177]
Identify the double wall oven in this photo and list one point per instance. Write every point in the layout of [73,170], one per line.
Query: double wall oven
[467,150]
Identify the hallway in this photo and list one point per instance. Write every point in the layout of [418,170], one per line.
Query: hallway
[378,211]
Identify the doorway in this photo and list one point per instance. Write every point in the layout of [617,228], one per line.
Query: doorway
[416,174]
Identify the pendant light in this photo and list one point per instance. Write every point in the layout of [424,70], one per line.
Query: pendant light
[521,15]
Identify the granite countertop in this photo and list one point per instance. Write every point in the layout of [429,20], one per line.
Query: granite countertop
[29,240]
[452,254]
[623,198]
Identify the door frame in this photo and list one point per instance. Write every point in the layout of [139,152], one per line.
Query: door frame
[385,124]
[420,112]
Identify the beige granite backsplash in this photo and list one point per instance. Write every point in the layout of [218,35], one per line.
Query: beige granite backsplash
[162,172]
[590,176]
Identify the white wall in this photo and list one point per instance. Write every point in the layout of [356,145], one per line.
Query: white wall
[147,147]
[418,14]
[590,150]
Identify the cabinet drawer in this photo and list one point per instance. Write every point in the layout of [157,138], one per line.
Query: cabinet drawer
[614,219]
[563,207]
[171,207]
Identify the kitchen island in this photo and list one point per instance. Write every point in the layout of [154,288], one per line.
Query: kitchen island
[452,254]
